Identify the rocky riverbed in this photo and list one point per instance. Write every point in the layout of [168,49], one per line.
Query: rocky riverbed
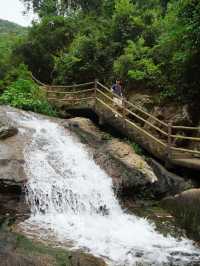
[139,182]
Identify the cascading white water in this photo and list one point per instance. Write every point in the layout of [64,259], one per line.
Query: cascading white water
[72,199]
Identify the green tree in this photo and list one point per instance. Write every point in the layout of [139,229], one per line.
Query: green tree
[137,67]
[178,49]
[127,24]
[45,40]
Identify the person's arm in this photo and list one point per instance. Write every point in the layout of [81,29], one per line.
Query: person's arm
[113,88]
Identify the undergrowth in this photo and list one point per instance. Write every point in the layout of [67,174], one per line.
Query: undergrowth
[25,94]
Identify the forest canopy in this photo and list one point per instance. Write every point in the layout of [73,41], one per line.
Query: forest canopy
[152,44]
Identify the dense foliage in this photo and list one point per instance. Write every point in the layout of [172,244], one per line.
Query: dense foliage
[7,27]
[10,33]
[25,94]
[151,44]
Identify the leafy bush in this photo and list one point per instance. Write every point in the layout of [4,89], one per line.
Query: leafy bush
[136,66]
[25,94]
[137,148]
[168,93]
[151,44]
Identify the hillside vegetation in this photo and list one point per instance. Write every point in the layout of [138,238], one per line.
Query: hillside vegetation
[152,44]
[10,35]
[7,27]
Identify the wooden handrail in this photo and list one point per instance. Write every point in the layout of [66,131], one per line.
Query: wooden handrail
[147,122]
[69,93]
[133,124]
[134,114]
[72,86]
[61,86]
[125,108]
[185,137]
[70,100]
[153,117]
[38,81]
[134,106]
[185,150]
[186,128]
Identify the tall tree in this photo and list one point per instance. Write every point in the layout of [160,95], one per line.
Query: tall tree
[61,7]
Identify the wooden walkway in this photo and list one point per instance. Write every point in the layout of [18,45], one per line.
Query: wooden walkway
[170,143]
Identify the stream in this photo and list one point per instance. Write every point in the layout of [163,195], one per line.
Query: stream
[73,203]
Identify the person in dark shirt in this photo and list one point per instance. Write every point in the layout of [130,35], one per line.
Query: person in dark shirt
[117,88]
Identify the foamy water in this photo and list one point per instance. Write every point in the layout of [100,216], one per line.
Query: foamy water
[72,199]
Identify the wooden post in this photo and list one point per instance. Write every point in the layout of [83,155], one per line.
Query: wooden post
[46,92]
[124,112]
[72,96]
[169,141]
[95,92]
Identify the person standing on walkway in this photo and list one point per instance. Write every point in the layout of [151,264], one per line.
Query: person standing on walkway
[117,89]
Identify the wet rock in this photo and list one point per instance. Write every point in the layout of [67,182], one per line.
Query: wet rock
[12,143]
[186,208]
[83,259]
[131,174]
[142,98]
[135,172]
[168,183]
[7,131]
[12,172]
[15,259]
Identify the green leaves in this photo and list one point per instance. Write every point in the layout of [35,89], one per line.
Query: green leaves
[45,41]
[25,94]
[135,65]
[150,44]
[127,24]
[178,50]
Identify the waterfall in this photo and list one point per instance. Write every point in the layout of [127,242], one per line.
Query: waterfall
[72,201]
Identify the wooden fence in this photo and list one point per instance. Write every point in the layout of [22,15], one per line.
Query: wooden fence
[164,134]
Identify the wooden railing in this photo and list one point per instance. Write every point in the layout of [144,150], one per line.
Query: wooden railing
[164,134]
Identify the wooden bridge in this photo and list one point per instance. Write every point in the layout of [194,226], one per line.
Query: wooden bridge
[170,143]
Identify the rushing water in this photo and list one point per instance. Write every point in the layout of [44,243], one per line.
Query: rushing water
[72,199]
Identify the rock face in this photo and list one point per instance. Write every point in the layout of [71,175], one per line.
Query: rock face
[132,175]
[169,112]
[79,258]
[186,208]
[7,131]
[129,171]
[11,153]
[168,183]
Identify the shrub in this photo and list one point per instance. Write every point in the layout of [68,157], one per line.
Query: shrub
[25,94]
[136,66]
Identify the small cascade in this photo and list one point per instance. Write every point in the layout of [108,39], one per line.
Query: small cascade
[72,200]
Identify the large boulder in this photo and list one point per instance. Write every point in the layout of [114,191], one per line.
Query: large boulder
[186,208]
[132,175]
[168,182]
[129,171]
[7,131]
[143,98]
[12,142]
[84,259]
